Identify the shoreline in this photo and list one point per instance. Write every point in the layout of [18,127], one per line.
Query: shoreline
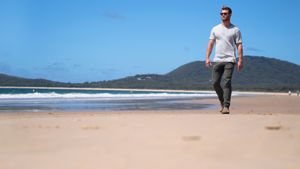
[245,104]
[99,105]
[146,90]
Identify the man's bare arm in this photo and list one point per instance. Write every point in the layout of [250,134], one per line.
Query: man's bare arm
[240,53]
[210,46]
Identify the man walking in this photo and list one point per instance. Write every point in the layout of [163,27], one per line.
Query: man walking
[227,38]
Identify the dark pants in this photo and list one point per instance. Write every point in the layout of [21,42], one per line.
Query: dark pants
[224,69]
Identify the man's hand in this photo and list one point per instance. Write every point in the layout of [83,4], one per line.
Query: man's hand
[240,65]
[210,46]
[207,63]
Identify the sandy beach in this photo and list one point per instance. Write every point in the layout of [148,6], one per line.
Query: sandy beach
[261,132]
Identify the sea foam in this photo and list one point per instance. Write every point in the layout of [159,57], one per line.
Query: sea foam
[54,95]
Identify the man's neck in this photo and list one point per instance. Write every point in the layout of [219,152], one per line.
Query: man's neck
[226,23]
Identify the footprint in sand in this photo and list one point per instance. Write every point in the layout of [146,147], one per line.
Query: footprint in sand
[191,138]
[90,127]
[273,127]
[42,127]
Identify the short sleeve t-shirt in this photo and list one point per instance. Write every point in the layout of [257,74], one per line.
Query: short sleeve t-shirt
[226,40]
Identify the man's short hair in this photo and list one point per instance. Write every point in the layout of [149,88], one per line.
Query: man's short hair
[227,8]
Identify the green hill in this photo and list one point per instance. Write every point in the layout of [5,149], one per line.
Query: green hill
[259,74]
[268,74]
[6,80]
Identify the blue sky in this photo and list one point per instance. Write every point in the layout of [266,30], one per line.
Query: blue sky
[89,40]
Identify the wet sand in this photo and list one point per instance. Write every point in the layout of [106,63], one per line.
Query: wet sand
[260,132]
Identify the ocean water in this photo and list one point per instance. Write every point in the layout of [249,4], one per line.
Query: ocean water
[52,100]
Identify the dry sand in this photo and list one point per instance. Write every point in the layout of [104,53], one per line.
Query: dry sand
[262,132]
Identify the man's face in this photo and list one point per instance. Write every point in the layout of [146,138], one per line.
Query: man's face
[225,16]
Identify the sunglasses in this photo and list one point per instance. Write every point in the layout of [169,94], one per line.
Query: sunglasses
[224,14]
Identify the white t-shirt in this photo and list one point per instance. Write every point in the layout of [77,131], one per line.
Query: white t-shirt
[226,40]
